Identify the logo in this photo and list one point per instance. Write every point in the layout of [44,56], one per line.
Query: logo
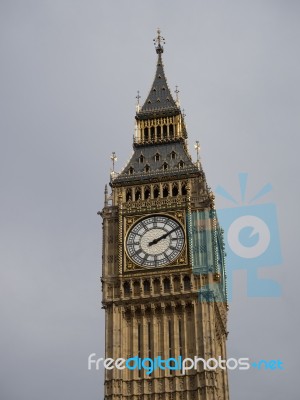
[181,364]
[251,237]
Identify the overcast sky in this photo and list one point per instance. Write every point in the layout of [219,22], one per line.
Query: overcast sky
[69,72]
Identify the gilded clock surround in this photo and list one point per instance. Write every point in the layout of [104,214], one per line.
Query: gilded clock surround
[129,222]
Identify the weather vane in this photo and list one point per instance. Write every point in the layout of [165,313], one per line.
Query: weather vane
[113,157]
[158,42]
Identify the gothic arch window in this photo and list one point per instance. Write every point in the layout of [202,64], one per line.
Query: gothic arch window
[138,194]
[186,283]
[165,166]
[157,157]
[183,189]
[171,130]
[167,285]
[156,191]
[158,132]
[173,155]
[165,190]
[147,168]
[146,134]
[130,171]
[147,192]
[128,194]
[165,131]
[180,164]
[141,158]
[175,190]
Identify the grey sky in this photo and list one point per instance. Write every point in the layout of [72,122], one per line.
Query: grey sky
[69,73]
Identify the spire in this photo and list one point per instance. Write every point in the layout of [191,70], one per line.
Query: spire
[159,100]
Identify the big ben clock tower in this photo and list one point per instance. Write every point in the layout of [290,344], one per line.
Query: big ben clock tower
[163,273]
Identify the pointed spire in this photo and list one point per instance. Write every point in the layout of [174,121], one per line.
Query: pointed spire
[159,100]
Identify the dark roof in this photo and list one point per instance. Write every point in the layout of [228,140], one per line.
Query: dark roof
[159,100]
[179,164]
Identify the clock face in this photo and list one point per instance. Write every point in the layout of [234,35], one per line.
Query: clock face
[155,241]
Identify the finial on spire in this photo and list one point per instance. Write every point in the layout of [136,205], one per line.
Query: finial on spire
[197,148]
[158,42]
[177,97]
[113,157]
[105,196]
[138,101]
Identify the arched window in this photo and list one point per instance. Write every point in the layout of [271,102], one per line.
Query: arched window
[173,155]
[147,192]
[156,191]
[152,132]
[165,190]
[175,189]
[126,288]
[183,189]
[146,285]
[165,166]
[167,285]
[130,171]
[180,164]
[146,134]
[156,286]
[128,194]
[141,159]
[138,194]
[165,131]
[171,130]
[147,168]
[136,288]
[186,283]
[156,157]
[176,284]
[158,132]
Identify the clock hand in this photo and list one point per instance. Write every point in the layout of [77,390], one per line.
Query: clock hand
[154,241]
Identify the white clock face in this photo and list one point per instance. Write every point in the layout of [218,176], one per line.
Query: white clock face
[155,241]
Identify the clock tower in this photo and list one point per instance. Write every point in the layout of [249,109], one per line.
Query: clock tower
[163,269]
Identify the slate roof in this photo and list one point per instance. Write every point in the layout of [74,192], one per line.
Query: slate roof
[159,101]
[156,167]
